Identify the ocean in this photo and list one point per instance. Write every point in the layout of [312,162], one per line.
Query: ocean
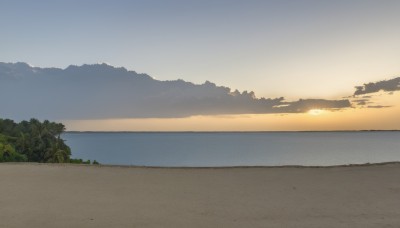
[220,149]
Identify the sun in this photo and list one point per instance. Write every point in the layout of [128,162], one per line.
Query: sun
[315,112]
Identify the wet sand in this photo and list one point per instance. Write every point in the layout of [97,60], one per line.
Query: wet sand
[42,195]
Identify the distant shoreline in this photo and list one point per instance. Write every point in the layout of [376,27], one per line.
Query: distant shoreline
[200,132]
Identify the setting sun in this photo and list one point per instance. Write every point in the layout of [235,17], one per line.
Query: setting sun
[315,112]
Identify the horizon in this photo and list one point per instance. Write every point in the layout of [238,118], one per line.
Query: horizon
[306,131]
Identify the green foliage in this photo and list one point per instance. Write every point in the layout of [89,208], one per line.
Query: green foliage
[75,161]
[33,141]
[8,154]
[80,161]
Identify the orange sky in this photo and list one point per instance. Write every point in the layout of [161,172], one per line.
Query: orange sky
[349,119]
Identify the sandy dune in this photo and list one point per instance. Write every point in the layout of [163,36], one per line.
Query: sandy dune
[38,195]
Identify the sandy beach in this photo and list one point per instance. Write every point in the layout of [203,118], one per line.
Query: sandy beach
[42,195]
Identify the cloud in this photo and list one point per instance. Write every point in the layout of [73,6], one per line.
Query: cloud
[378,106]
[367,91]
[102,91]
[372,87]
[308,104]
[361,101]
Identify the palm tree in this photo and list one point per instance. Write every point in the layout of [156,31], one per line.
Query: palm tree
[56,153]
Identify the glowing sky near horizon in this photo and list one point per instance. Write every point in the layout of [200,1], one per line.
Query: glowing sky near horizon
[295,49]
[347,119]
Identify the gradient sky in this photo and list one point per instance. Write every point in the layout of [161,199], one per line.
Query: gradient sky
[296,49]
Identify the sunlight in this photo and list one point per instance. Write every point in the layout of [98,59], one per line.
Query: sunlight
[315,112]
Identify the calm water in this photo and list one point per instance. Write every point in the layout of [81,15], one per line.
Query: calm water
[236,149]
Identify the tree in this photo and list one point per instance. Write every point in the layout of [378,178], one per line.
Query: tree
[8,153]
[33,140]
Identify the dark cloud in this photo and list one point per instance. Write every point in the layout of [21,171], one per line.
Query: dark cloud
[361,101]
[103,91]
[386,85]
[378,106]
[389,86]
[304,105]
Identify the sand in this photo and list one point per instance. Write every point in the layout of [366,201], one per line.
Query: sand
[41,195]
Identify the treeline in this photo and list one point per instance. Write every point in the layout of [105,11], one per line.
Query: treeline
[34,141]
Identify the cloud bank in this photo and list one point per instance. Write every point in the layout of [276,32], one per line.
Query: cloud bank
[364,95]
[101,91]
[373,87]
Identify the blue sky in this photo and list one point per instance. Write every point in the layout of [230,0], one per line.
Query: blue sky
[275,48]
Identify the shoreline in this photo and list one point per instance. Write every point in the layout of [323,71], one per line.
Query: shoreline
[210,167]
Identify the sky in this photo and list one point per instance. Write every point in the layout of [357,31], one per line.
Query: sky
[295,49]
